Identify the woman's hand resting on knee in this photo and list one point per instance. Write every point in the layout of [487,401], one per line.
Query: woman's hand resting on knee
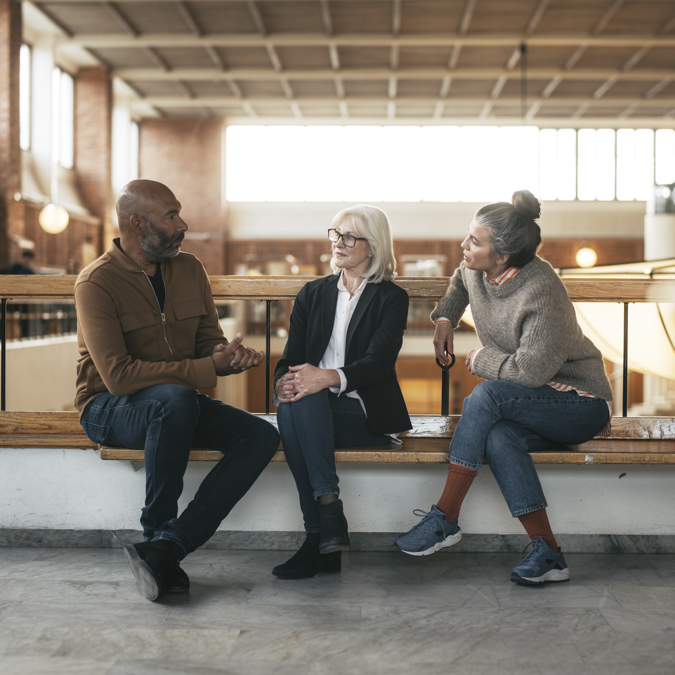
[303,380]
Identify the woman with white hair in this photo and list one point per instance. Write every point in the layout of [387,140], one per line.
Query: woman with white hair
[336,384]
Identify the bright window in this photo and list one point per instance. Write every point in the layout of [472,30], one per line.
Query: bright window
[444,164]
[374,164]
[596,164]
[124,148]
[665,156]
[63,113]
[24,96]
[635,163]
[567,164]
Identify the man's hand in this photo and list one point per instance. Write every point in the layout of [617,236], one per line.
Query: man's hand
[235,357]
[300,381]
[444,342]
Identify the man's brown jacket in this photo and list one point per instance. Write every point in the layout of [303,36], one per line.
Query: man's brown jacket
[127,344]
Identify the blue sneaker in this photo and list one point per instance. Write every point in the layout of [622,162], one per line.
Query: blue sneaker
[540,565]
[431,534]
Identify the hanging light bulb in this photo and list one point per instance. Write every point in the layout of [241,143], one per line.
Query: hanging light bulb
[586,257]
[53,218]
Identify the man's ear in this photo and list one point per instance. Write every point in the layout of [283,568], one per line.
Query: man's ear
[136,224]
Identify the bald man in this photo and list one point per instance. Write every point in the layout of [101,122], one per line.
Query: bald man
[149,338]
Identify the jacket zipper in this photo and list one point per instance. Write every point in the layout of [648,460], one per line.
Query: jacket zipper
[166,339]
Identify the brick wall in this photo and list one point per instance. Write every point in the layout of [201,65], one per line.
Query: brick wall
[559,252]
[80,242]
[185,155]
[11,211]
[93,145]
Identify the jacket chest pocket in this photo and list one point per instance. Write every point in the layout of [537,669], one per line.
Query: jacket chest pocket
[140,334]
[188,316]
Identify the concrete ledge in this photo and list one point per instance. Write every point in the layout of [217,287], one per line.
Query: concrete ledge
[361,541]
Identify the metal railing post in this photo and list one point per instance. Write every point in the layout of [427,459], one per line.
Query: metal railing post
[3,346]
[268,331]
[625,360]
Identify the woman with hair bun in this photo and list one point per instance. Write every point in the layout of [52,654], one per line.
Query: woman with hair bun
[545,381]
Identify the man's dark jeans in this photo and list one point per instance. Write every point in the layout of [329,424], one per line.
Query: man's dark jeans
[166,421]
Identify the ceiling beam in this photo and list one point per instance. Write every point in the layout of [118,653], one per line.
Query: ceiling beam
[334,57]
[667,27]
[467,15]
[613,8]
[499,85]
[120,18]
[257,18]
[536,16]
[572,102]
[462,29]
[214,56]
[659,86]
[262,29]
[446,83]
[151,74]
[188,19]
[326,17]
[395,17]
[194,28]
[634,59]
[605,87]
[365,40]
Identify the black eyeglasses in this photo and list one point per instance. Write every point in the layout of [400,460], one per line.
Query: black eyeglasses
[349,240]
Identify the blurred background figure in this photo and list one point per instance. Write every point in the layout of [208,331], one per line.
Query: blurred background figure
[23,266]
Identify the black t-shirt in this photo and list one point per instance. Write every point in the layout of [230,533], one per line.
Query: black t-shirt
[158,284]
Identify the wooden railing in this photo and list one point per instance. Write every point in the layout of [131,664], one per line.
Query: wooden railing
[60,287]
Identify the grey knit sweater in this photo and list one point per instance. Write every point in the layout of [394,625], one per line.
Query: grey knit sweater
[528,329]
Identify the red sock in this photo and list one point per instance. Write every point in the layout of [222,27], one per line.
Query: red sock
[458,484]
[537,525]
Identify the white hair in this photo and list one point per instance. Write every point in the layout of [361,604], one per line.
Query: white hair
[372,224]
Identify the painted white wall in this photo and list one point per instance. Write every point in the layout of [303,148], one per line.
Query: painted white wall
[74,489]
[431,220]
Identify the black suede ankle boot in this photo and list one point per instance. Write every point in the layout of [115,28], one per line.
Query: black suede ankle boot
[307,562]
[334,528]
[154,564]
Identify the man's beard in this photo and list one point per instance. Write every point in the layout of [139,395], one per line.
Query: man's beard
[158,247]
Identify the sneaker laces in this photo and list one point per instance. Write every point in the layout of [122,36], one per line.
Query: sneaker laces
[426,525]
[532,554]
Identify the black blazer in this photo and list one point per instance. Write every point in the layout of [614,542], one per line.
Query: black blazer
[374,339]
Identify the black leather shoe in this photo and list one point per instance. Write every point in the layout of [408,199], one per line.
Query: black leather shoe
[334,528]
[154,564]
[179,582]
[308,562]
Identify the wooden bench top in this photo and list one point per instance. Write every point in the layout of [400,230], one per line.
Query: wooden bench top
[634,440]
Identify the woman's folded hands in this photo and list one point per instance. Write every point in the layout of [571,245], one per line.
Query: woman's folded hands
[303,380]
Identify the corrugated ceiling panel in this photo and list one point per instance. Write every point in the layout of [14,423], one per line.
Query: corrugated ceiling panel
[304,57]
[223,17]
[291,17]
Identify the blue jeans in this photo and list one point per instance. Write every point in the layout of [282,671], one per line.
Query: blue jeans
[310,429]
[503,422]
[166,421]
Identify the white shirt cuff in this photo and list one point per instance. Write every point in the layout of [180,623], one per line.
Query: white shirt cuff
[343,381]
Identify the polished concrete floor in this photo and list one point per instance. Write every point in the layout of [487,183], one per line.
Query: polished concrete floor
[78,611]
